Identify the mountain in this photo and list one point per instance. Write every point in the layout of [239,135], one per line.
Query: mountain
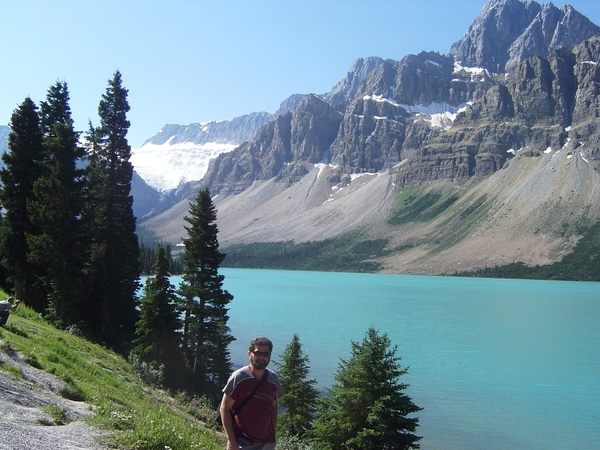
[148,202]
[178,154]
[505,33]
[4,130]
[346,89]
[485,156]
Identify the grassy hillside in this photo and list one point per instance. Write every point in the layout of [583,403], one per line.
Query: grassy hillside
[137,415]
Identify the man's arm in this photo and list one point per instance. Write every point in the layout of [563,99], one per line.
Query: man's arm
[274,413]
[226,405]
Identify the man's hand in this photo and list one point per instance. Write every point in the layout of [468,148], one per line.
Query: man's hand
[226,405]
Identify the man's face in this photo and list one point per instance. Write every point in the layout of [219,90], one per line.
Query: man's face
[260,357]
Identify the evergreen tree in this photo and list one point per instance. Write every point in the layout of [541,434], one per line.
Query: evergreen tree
[367,408]
[147,259]
[299,394]
[5,285]
[57,206]
[205,333]
[158,328]
[113,260]
[22,167]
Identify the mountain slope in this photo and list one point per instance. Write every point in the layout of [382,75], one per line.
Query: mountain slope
[530,211]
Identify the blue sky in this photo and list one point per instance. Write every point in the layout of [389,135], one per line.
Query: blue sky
[187,61]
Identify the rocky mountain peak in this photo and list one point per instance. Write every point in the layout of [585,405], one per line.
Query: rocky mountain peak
[289,104]
[283,148]
[507,32]
[232,131]
[347,88]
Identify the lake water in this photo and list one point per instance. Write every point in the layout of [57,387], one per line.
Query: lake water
[496,364]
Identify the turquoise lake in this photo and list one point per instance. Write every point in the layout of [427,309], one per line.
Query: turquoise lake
[495,364]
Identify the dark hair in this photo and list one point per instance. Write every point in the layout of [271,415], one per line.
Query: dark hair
[260,341]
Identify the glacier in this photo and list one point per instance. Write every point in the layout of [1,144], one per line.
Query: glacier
[167,166]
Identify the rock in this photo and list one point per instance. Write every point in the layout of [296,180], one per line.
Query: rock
[347,88]
[26,426]
[303,136]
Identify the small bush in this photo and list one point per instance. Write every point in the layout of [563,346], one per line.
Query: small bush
[292,443]
[149,373]
[58,414]
[115,418]
[74,330]
[33,361]
[72,392]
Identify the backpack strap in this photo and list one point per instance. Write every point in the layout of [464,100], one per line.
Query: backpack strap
[248,397]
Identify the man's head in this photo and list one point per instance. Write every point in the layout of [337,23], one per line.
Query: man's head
[11,300]
[259,352]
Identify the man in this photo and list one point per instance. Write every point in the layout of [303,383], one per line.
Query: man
[6,306]
[253,426]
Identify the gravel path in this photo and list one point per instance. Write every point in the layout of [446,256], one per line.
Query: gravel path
[23,423]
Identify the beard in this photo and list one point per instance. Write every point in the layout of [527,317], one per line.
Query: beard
[260,364]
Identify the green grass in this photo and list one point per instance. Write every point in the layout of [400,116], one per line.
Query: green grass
[11,369]
[459,224]
[413,205]
[139,416]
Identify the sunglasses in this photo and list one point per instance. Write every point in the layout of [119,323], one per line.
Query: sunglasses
[258,353]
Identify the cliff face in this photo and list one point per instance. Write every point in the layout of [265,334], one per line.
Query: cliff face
[543,103]
[546,103]
[281,149]
[507,32]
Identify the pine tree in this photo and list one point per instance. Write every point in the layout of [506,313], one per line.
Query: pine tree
[57,206]
[367,407]
[299,394]
[147,259]
[113,260]
[205,334]
[22,168]
[158,326]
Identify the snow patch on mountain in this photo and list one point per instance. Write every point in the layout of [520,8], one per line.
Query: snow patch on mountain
[476,73]
[439,115]
[380,98]
[167,166]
